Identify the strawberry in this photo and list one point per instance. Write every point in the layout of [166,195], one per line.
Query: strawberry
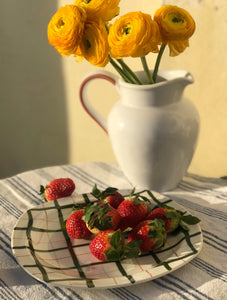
[101,216]
[110,245]
[173,218]
[109,195]
[57,188]
[132,210]
[152,233]
[169,215]
[76,227]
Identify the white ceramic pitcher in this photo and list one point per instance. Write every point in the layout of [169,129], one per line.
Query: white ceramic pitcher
[152,128]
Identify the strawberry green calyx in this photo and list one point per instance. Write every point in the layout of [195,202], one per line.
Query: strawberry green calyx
[152,233]
[100,195]
[158,233]
[120,249]
[101,216]
[109,195]
[172,217]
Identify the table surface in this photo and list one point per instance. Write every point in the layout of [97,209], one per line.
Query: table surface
[202,278]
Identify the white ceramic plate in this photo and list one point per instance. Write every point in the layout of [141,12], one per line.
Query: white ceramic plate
[46,252]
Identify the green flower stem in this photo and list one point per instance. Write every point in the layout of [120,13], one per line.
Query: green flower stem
[158,60]
[129,71]
[146,69]
[119,70]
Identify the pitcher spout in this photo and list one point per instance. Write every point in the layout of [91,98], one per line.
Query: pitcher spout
[177,76]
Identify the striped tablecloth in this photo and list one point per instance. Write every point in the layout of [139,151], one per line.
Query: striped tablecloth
[202,278]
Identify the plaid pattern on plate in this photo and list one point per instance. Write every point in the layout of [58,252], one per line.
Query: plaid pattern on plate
[44,249]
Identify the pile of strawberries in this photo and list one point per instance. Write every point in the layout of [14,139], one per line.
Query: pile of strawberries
[121,227]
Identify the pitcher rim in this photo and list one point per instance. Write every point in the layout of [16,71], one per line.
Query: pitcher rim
[188,78]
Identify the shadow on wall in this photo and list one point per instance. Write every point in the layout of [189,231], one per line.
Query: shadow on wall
[33,120]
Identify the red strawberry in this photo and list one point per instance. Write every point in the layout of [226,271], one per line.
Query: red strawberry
[109,195]
[57,188]
[76,227]
[169,215]
[114,199]
[101,216]
[151,232]
[110,245]
[132,210]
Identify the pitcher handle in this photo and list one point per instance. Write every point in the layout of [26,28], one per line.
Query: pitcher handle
[93,113]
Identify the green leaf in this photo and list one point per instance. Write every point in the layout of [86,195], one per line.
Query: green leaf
[133,244]
[152,234]
[42,190]
[96,192]
[115,239]
[137,201]
[132,249]
[109,191]
[190,220]
[158,223]
[133,253]
[106,222]
[127,229]
[145,199]
[171,215]
[112,255]
[132,192]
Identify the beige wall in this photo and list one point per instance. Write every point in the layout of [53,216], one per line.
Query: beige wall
[42,121]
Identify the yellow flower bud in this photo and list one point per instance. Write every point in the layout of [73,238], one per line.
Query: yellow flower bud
[134,34]
[176,26]
[94,46]
[65,29]
[105,9]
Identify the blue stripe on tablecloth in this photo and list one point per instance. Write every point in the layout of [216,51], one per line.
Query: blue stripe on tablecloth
[213,245]
[24,183]
[94,179]
[9,207]
[124,293]
[211,270]
[8,291]
[131,295]
[216,237]
[217,181]
[189,286]
[24,191]
[84,176]
[83,179]
[116,172]
[184,185]
[202,209]
[75,294]
[8,253]
[174,284]
[117,292]
[63,293]
[170,288]
[3,295]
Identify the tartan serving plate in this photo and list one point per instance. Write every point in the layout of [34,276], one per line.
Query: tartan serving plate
[48,254]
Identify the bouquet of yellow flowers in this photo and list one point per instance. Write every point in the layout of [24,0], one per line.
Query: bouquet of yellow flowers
[85,31]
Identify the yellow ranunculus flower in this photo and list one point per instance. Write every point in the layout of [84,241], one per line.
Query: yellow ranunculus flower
[94,46]
[134,34]
[105,9]
[65,29]
[176,27]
